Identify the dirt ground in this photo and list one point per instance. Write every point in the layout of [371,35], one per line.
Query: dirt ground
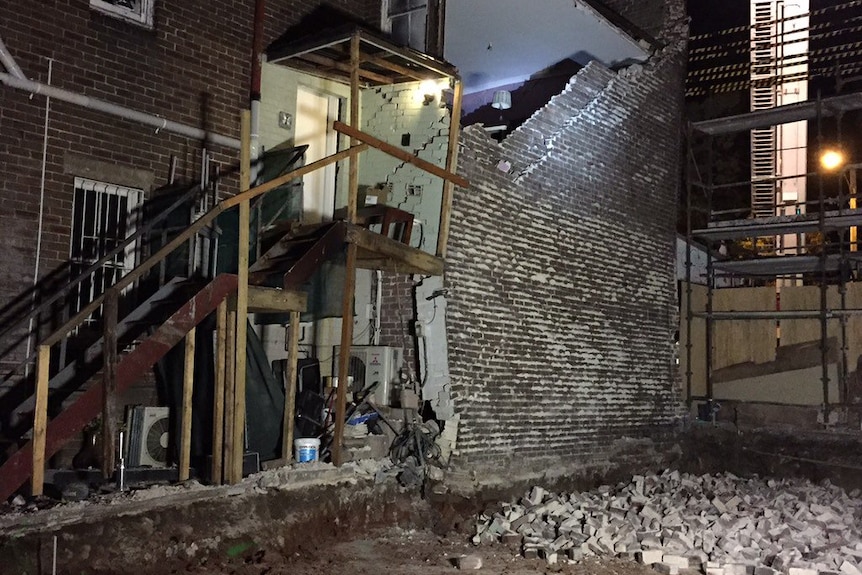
[398,551]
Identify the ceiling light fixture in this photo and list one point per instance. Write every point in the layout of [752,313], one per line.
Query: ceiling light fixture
[502,100]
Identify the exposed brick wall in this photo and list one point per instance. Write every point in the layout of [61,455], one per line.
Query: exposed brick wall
[561,273]
[192,67]
[398,311]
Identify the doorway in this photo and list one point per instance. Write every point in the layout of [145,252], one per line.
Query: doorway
[315,113]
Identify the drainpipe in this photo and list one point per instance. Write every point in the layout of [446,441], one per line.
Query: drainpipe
[254,95]
[119,111]
[9,62]
[30,327]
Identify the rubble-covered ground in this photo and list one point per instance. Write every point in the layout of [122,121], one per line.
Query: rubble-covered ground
[401,552]
[716,524]
[312,520]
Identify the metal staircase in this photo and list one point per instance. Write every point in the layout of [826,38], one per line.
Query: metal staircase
[130,368]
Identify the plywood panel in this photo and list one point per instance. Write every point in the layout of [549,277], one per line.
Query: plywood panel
[799,298]
[742,341]
[854,326]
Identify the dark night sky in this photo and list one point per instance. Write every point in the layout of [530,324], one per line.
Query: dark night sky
[711,15]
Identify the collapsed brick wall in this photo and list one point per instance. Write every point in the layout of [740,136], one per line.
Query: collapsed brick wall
[192,67]
[651,16]
[560,272]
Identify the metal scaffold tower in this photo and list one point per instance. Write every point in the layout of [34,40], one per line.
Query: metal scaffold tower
[831,218]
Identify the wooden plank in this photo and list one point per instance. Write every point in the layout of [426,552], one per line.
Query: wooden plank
[400,154]
[18,468]
[292,175]
[40,421]
[350,272]
[230,392]
[218,394]
[345,67]
[408,73]
[396,251]
[440,68]
[290,386]
[242,301]
[188,390]
[451,165]
[353,168]
[109,381]
[264,299]
[344,353]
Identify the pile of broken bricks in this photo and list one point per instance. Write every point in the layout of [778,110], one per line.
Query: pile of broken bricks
[714,524]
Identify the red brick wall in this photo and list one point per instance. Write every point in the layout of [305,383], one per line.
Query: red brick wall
[398,312]
[192,67]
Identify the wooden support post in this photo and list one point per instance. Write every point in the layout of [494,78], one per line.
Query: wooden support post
[353,171]
[109,381]
[350,274]
[290,374]
[40,420]
[451,164]
[188,390]
[230,392]
[218,394]
[242,302]
[344,353]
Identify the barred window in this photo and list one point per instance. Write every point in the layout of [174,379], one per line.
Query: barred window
[137,11]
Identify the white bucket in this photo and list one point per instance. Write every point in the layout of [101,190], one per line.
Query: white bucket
[306,448]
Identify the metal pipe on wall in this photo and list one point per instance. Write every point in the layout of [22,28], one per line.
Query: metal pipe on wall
[30,334]
[9,62]
[255,91]
[117,110]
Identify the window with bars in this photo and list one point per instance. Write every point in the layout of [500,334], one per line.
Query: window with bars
[137,11]
[103,216]
[407,21]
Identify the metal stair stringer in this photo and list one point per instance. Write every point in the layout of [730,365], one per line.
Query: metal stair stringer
[130,367]
[298,268]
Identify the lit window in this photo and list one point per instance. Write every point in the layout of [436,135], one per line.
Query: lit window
[406,21]
[137,11]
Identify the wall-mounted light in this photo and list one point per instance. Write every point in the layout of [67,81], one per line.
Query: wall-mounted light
[430,91]
[502,100]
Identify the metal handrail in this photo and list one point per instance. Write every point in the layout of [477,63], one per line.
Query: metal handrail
[193,191]
[201,222]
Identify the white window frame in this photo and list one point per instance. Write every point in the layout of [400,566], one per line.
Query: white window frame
[386,16]
[143,16]
[134,201]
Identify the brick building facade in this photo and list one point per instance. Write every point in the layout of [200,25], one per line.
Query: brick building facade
[193,66]
[559,276]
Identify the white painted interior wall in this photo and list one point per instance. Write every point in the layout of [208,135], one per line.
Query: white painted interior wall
[513,41]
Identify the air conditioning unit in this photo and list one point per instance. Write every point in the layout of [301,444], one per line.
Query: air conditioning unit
[148,436]
[370,364]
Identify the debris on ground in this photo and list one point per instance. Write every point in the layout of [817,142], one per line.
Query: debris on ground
[719,524]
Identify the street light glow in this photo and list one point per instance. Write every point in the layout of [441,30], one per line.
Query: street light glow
[831,160]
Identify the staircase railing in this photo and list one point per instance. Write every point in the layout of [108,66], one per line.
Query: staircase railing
[110,298]
[192,192]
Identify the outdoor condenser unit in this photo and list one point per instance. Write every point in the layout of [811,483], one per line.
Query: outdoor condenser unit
[372,363]
[148,436]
